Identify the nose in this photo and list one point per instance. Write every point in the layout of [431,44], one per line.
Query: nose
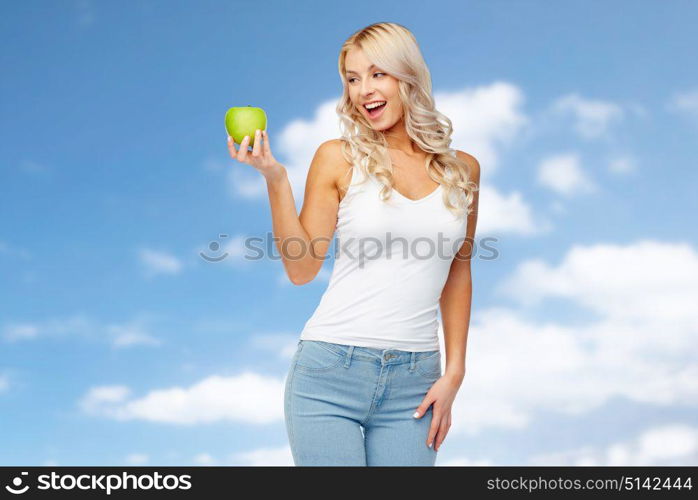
[366,89]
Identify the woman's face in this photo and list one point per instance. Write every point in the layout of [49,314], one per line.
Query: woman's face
[367,83]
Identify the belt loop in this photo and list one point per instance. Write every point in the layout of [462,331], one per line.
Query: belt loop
[348,356]
[412,360]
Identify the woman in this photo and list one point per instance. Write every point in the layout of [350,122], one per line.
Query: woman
[365,385]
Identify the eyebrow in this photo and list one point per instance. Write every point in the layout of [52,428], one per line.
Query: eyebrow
[370,67]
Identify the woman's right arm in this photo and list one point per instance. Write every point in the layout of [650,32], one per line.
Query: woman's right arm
[302,240]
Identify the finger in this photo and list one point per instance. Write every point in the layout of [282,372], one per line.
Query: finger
[231,148]
[257,148]
[433,428]
[242,153]
[422,408]
[267,150]
[441,434]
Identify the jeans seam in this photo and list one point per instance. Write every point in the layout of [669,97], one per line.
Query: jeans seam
[319,370]
[374,400]
[341,353]
[437,353]
[340,358]
[427,374]
[289,388]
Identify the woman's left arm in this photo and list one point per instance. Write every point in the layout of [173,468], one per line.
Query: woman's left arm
[455,302]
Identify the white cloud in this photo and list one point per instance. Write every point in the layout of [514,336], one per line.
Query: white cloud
[131,334]
[460,462]
[235,248]
[622,165]
[685,102]
[137,458]
[484,118]
[248,397]
[665,445]
[157,262]
[636,338]
[128,334]
[280,456]
[20,331]
[7,249]
[282,345]
[204,459]
[563,174]
[76,325]
[645,281]
[102,397]
[244,181]
[499,213]
[593,118]
[267,456]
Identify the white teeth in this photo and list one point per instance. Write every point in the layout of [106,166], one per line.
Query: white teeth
[374,104]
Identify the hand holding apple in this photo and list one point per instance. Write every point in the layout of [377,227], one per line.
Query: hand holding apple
[261,157]
[242,121]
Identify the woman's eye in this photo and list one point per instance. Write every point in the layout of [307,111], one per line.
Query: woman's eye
[374,74]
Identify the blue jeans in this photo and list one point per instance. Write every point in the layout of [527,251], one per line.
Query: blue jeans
[352,406]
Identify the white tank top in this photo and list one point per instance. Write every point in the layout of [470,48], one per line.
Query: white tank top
[383,292]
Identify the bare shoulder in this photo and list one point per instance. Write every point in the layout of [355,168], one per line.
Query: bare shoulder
[339,165]
[331,150]
[472,162]
[336,147]
[327,162]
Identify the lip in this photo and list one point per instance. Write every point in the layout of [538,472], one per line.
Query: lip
[374,118]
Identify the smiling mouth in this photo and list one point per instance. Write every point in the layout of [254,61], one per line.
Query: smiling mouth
[376,112]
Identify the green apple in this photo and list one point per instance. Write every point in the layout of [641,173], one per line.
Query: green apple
[243,121]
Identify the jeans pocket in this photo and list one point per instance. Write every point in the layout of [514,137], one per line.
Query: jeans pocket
[316,356]
[429,366]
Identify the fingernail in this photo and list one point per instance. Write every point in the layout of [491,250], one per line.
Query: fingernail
[430,445]
[230,138]
[416,414]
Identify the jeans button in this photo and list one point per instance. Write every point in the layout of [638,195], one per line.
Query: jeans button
[386,357]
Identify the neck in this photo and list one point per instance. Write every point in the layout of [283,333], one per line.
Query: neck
[397,138]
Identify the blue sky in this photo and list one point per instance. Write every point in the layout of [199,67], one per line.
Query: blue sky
[119,344]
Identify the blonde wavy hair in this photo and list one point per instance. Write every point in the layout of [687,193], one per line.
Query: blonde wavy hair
[394,49]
